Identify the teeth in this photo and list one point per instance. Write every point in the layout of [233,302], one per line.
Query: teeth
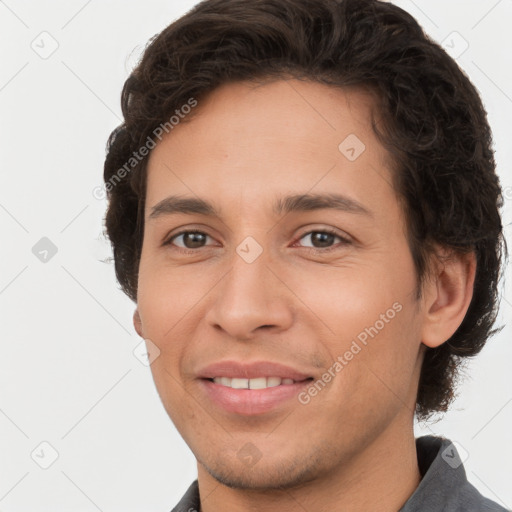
[273,381]
[259,383]
[256,383]
[239,383]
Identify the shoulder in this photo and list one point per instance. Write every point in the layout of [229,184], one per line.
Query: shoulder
[444,485]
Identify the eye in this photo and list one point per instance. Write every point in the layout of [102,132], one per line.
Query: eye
[190,239]
[324,238]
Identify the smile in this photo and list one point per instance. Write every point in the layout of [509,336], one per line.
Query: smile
[256,383]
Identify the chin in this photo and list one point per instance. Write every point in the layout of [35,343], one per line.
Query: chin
[266,480]
[277,474]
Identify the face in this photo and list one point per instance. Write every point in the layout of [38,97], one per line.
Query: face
[289,337]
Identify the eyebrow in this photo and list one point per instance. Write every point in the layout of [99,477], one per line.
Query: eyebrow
[292,203]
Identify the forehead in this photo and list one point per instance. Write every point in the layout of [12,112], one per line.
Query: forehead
[288,110]
[244,141]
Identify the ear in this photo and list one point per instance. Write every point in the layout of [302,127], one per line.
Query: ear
[447,297]
[137,322]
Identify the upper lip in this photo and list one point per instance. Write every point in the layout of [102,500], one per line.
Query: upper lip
[250,370]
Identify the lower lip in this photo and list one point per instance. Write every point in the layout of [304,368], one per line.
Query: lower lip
[251,401]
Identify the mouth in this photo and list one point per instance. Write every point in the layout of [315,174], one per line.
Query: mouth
[252,388]
[255,383]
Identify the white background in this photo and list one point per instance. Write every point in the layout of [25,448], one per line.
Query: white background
[68,376]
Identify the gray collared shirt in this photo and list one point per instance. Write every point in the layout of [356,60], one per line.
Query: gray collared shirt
[443,488]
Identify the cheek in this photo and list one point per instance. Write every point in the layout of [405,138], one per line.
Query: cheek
[167,296]
[352,296]
[365,315]
[163,303]
[374,380]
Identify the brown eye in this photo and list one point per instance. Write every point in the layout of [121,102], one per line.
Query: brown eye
[323,239]
[190,239]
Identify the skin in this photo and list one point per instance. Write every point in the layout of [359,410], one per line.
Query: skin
[352,446]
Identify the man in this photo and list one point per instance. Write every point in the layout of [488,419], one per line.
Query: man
[304,206]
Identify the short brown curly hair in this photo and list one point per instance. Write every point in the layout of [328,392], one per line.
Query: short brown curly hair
[435,128]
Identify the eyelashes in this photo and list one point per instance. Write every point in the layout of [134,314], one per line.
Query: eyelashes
[331,233]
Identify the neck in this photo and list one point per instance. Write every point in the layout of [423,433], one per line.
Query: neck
[381,477]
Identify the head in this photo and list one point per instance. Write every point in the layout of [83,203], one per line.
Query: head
[241,104]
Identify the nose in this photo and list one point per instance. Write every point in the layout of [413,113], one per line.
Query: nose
[249,299]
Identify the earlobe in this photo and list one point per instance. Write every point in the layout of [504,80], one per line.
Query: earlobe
[137,322]
[449,294]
